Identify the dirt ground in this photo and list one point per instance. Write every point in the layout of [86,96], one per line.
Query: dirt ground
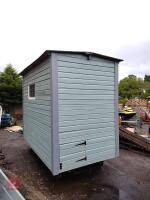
[123,178]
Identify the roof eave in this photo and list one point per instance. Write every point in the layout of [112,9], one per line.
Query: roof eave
[47,53]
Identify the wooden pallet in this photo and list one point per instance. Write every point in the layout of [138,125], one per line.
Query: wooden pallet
[135,139]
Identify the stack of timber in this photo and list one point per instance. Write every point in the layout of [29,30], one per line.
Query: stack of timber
[133,140]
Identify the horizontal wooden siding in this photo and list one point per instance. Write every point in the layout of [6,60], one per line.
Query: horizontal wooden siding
[86,110]
[37,112]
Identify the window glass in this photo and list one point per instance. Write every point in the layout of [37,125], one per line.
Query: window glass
[32,91]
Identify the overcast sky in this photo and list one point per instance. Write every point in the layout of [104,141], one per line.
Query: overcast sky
[119,28]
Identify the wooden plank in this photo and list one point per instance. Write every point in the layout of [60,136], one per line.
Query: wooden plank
[105,82]
[85,127]
[39,112]
[135,138]
[38,102]
[80,77]
[81,70]
[84,57]
[99,112]
[37,106]
[85,116]
[84,119]
[75,156]
[88,102]
[42,66]
[99,63]
[85,92]
[89,121]
[101,156]
[86,87]
[83,97]
[33,77]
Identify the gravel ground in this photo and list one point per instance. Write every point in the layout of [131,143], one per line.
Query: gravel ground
[123,178]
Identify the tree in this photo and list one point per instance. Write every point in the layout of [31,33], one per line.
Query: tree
[10,87]
[131,87]
[147,78]
[147,85]
[131,76]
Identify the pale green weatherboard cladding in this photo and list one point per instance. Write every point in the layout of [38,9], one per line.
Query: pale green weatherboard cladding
[73,120]
[37,113]
[86,104]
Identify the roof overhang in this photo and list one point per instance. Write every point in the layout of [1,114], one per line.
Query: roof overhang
[47,53]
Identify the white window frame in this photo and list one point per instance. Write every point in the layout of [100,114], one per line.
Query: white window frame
[31,98]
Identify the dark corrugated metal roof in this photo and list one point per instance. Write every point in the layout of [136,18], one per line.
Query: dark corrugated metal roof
[47,53]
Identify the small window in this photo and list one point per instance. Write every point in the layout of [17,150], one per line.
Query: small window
[31,91]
